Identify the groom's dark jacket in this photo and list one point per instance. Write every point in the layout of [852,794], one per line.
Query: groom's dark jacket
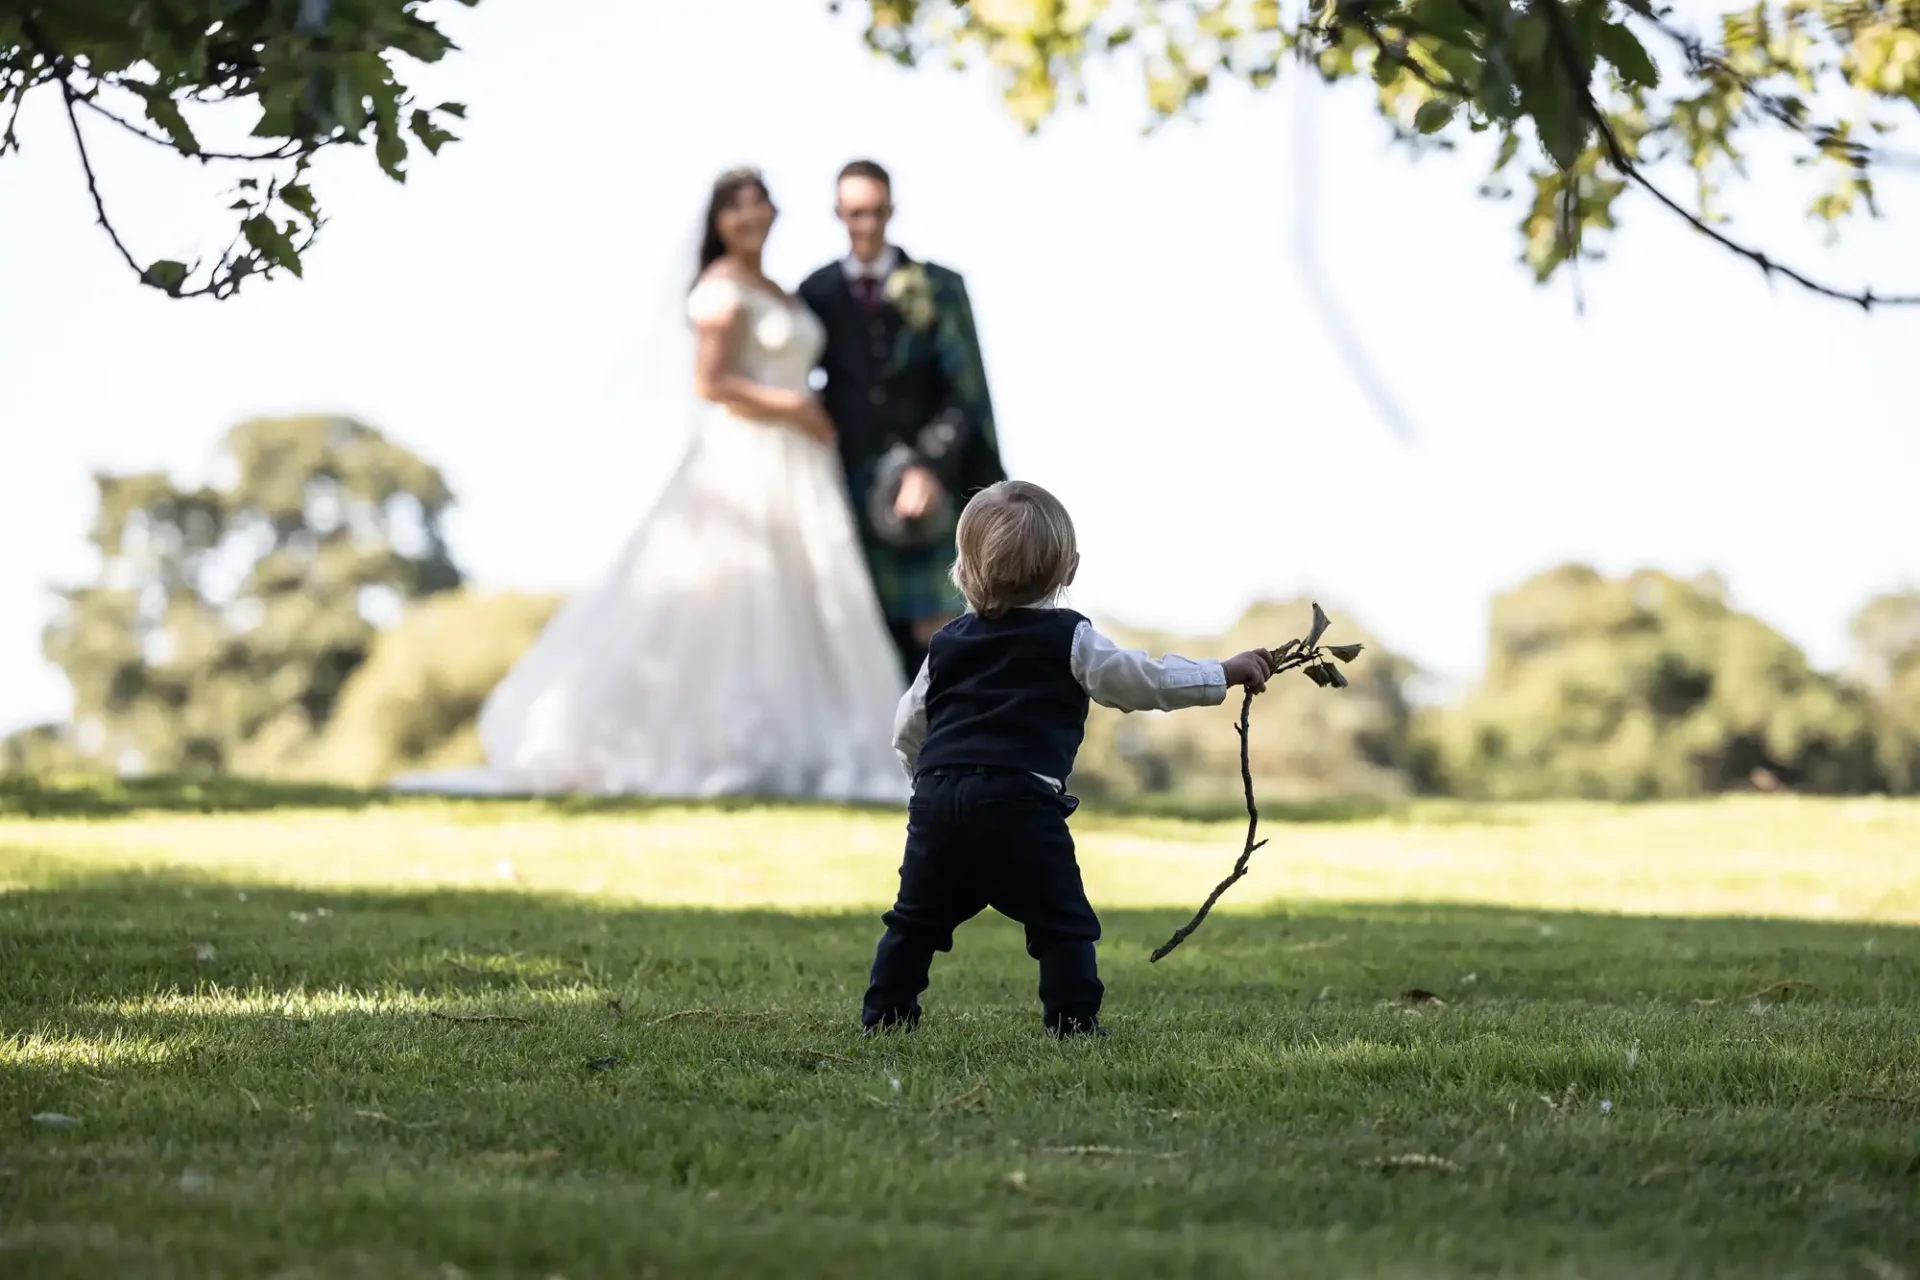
[907,372]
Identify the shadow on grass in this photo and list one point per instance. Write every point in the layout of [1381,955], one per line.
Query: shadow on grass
[103,797]
[608,1086]
[89,937]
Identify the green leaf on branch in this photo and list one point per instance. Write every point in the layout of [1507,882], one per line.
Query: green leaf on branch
[300,199]
[1434,115]
[167,274]
[1629,57]
[1509,148]
[273,245]
[1556,118]
[1445,20]
[431,135]
[165,112]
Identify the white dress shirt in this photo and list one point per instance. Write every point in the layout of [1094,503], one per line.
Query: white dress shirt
[1124,679]
[879,269]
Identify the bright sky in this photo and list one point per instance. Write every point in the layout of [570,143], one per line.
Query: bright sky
[1154,355]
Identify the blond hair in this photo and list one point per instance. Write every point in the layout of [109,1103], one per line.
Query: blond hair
[1016,547]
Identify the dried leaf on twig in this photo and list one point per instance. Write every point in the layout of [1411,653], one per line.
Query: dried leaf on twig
[1320,624]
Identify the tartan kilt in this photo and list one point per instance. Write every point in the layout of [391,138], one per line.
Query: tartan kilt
[912,585]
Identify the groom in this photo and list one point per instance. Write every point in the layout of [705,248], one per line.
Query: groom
[907,391]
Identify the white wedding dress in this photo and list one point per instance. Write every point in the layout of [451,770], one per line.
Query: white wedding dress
[736,647]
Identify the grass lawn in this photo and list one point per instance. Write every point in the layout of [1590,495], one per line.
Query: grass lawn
[315,1035]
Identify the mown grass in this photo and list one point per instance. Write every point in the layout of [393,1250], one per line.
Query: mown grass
[255,1015]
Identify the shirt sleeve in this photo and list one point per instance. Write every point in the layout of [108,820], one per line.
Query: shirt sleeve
[1129,680]
[910,722]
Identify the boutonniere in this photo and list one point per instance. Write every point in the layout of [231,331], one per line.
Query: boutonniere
[911,293]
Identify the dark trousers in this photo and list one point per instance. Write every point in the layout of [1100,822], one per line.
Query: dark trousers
[979,839]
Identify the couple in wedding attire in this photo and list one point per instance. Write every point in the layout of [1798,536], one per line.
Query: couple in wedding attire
[756,633]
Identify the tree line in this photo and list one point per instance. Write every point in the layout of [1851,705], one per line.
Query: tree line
[304,619]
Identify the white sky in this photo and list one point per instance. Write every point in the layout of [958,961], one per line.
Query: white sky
[1153,354]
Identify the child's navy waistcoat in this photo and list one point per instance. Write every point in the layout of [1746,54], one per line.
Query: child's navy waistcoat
[1001,693]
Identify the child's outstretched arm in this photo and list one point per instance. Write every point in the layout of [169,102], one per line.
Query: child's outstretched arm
[910,722]
[1130,680]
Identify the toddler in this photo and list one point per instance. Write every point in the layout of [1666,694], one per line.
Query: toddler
[988,732]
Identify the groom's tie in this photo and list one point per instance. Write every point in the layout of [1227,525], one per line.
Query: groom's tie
[866,291]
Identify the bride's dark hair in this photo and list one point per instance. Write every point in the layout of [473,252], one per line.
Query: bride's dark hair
[725,188]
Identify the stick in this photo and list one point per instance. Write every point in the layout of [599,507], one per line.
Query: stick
[1289,656]
[1185,931]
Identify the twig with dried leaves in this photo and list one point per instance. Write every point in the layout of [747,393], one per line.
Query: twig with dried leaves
[1302,655]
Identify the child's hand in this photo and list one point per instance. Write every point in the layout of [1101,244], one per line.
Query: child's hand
[1250,669]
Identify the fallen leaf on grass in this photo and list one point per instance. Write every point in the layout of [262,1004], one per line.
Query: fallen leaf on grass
[1416,996]
[1110,1151]
[1432,1164]
[1780,988]
[607,1063]
[54,1120]
[1017,1180]
[519,1159]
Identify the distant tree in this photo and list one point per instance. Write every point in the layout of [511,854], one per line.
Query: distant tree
[1886,637]
[225,619]
[1648,687]
[1308,744]
[415,702]
[1587,98]
[291,76]
[38,751]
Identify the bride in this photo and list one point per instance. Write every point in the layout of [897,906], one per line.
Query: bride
[736,647]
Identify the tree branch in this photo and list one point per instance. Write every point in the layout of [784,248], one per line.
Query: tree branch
[1560,29]
[287,151]
[1712,66]
[93,183]
[217,287]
